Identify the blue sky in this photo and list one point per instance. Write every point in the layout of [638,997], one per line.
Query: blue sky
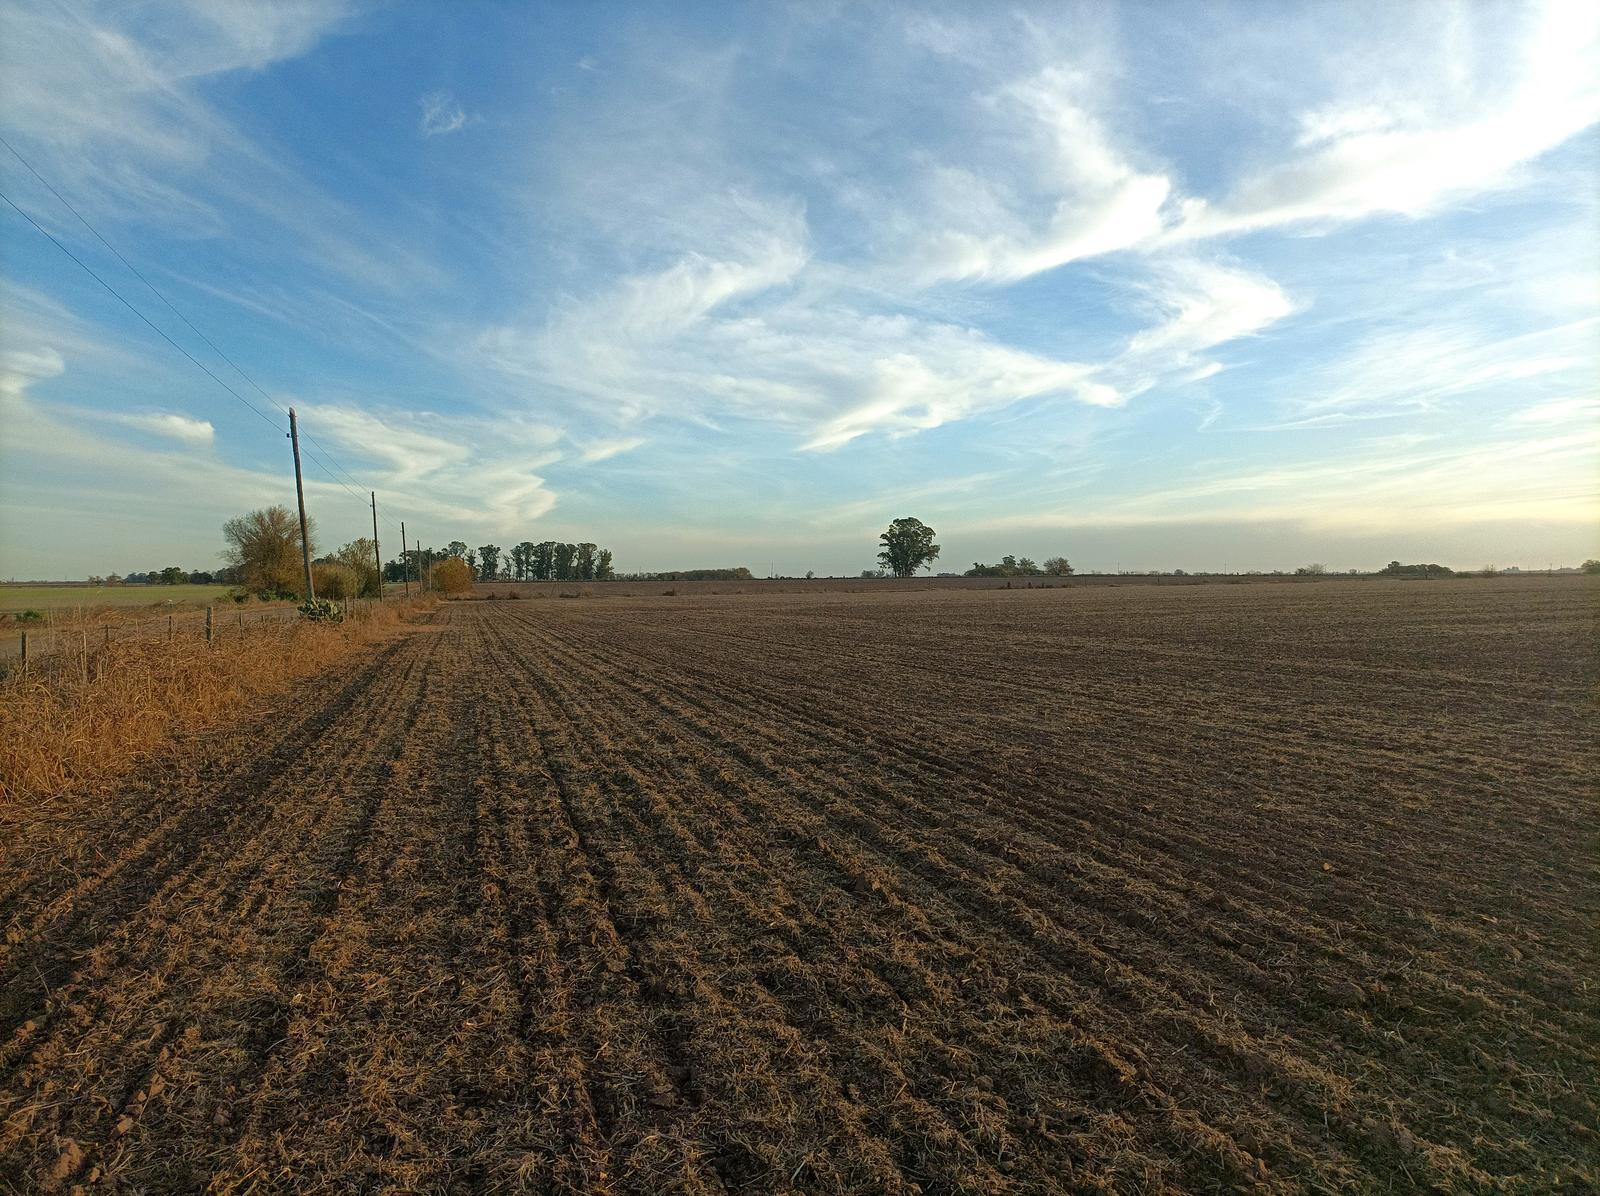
[1149,285]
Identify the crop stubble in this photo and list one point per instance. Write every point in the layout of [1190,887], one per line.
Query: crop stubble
[1284,888]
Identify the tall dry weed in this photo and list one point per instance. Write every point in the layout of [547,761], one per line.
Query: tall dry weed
[58,728]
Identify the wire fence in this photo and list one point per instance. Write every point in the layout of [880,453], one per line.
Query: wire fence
[51,643]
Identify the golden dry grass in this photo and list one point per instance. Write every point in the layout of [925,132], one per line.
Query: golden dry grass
[58,727]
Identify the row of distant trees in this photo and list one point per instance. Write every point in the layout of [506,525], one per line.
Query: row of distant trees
[172,575]
[550,560]
[263,550]
[1010,566]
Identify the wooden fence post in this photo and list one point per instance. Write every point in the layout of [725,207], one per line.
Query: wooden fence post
[208,625]
[24,651]
[108,635]
[169,629]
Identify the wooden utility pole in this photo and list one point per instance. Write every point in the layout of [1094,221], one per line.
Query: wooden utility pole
[300,497]
[405,561]
[376,555]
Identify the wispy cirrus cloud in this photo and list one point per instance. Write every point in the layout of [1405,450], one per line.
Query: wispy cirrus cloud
[1462,128]
[442,113]
[183,428]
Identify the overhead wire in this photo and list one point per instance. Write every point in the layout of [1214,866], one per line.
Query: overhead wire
[315,452]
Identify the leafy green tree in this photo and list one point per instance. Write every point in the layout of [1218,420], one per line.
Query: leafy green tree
[564,558]
[583,562]
[544,560]
[173,576]
[524,560]
[489,562]
[907,546]
[1589,566]
[471,558]
[456,548]
[603,570]
[1057,566]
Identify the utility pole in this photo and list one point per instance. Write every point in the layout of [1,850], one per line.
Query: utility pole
[405,559]
[377,556]
[300,497]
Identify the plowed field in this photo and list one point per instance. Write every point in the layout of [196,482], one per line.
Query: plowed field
[1145,889]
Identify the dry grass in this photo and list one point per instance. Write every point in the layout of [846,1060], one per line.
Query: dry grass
[59,727]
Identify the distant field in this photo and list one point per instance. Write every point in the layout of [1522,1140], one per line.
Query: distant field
[60,598]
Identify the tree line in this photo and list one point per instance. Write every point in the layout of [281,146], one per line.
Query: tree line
[549,560]
[263,552]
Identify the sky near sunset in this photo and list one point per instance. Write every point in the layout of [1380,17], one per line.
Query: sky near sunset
[1149,285]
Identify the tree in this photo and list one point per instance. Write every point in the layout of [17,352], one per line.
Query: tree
[1589,566]
[1057,566]
[358,557]
[265,547]
[583,562]
[456,548]
[1425,571]
[603,570]
[1027,568]
[907,546]
[451,576]
[564,556]
[336,581]
[1314,569]
[489,562]
[544,560]
[173,576]
[810,574]
[471,558]
[522,559]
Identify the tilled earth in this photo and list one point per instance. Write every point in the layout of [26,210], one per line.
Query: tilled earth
[1140,889]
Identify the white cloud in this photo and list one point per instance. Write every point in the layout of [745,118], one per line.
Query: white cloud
[1417,368]
[197,432]
[1207,304]
[478,470]
[110,102]
[1584,411]
[441,113]
[1070,194]
[603,450]
[20,368]
[1413,152]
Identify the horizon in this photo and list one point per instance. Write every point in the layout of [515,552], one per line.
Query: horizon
[1151,289]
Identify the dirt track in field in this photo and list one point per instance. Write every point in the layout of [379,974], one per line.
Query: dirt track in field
[1234,888]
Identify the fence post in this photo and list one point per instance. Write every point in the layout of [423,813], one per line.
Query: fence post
[169,629]
[108,635]
[83,655]
[24,651]
[208,625]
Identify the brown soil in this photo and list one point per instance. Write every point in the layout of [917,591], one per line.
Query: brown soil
[1236,888]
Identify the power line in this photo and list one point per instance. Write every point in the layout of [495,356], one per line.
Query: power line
[84,220]
[316,456]
[153,327]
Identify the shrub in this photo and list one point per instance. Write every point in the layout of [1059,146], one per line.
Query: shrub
[320,610]
[336,581]
[29,616]
[451,576]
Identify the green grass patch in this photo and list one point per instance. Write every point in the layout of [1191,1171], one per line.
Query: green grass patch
[69,598]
